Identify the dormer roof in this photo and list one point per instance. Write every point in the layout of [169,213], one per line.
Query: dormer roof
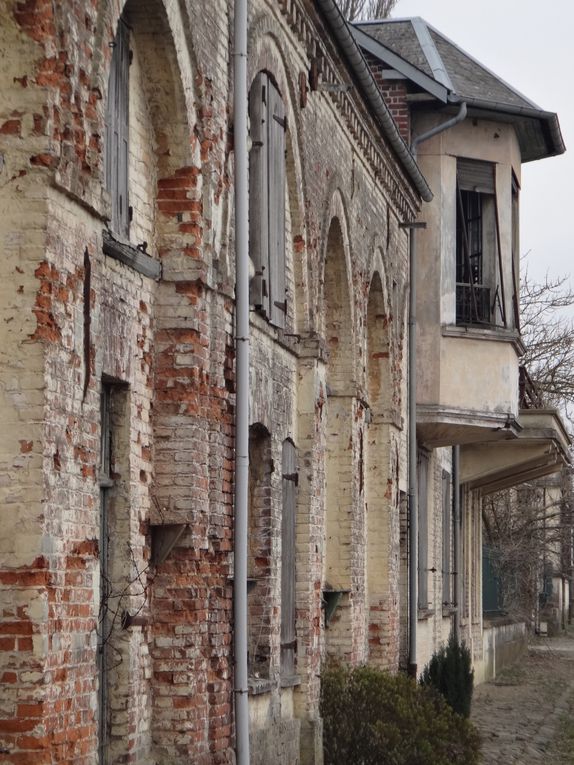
[420,53]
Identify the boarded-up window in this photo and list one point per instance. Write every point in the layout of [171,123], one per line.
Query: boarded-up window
[117,132]
[267,199]
[422,478]
[446,540]
[289,484]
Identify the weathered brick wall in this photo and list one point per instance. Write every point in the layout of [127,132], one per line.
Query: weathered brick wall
[395,95]
[71,320]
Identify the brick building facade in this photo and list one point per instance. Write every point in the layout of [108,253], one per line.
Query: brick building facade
[117,385]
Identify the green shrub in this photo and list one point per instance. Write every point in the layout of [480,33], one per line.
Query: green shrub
[449,671]
[373,718]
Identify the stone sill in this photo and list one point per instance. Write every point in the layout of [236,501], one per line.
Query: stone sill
[425,613]
[259,685]
[492,334]
[290,681]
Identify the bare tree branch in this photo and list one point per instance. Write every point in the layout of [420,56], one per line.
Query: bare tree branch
[548,335]
[362,10]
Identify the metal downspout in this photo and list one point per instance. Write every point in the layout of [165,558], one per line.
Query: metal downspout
[412,413]
[456,539]
[413,499]
[242,379]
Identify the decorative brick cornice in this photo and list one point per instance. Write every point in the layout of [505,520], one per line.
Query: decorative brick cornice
[377,153]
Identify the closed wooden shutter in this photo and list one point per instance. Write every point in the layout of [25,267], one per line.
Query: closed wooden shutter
[258,193]
[473,175]
[289,506]
[276,127]
[422,494]
[446,539]
[117,132]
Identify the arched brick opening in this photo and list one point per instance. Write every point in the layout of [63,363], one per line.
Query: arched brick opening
[378,482]
[338,583]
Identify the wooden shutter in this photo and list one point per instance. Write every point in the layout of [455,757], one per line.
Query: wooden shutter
[276,127]
[446,539]
[117,132]
[258,193]
[289,484]
[475,176]
[422,494]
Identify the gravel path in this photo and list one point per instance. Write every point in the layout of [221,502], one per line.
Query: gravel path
[526,716]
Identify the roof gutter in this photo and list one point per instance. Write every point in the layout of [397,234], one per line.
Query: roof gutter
[356,60]
[550,118]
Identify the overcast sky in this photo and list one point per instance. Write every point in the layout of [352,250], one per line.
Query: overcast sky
[529,44]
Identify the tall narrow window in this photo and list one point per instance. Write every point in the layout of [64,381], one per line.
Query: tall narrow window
[422,467]
[117,132]
[515,251]
[267,199]
[106,484]
[259,557]
[289,484]
[479,278]
[447,598]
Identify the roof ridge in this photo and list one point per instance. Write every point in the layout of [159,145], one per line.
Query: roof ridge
[483,67]
[429,49]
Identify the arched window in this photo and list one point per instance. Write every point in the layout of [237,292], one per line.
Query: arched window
[267,199]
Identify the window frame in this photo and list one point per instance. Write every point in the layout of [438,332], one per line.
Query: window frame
[423,464]
[480,295]
[289,483]
[447,525]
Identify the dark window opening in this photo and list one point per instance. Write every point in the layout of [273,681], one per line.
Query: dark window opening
[289,481]
[479,275]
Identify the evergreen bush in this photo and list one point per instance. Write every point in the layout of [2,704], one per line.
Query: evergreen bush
[449,671]
[373,718]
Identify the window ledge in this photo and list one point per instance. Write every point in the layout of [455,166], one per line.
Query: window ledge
[131,256]
[290,681]
[425,613]
[260,685]
[492,334]
[448,611]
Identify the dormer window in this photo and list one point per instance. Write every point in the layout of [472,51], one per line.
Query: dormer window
[267,199]
[479,284]
[117,133]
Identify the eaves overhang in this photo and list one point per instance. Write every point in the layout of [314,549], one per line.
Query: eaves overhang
[541,448]
[538,131]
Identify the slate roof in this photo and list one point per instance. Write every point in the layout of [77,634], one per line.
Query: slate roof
[435,56]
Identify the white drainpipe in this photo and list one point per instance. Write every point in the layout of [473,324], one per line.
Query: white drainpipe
[242,379]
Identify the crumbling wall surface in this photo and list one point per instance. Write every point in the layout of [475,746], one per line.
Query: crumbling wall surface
[350,227]
[77,322]
[75,317]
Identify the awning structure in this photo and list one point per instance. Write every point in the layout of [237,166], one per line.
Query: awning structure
[541,448]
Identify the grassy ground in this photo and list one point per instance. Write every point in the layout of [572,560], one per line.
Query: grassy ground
[562,750]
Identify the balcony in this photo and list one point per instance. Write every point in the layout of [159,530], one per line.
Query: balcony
[541,448]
